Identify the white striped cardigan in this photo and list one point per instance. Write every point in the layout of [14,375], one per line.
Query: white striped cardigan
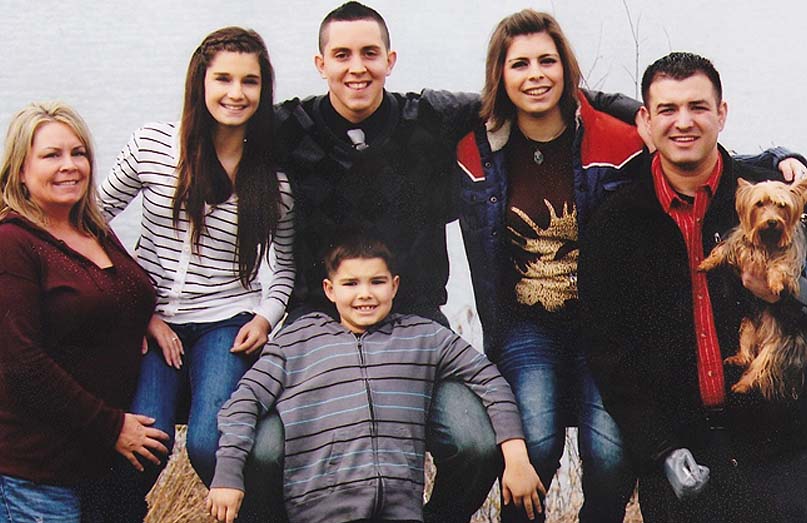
[203,286]
[354,409]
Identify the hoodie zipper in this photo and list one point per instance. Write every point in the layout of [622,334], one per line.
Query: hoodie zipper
[373,423]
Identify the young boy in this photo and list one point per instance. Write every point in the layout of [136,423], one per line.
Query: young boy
[354,398]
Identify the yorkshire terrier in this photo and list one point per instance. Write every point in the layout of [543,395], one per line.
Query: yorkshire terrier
[769,240]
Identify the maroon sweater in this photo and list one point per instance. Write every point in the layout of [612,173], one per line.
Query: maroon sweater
[70,343]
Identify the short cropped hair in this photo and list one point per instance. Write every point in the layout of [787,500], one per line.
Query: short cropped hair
[680,66]
[354,244]
[496,105]
[350,12]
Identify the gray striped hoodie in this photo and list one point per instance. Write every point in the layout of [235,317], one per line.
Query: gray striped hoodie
[354,410]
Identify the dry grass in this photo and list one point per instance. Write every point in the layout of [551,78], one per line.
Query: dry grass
[178,496]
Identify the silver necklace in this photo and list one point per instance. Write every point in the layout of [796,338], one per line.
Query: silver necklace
[537,155]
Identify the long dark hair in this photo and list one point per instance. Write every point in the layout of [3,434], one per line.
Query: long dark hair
[201,178]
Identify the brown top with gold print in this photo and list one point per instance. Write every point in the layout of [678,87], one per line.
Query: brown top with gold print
[542,222]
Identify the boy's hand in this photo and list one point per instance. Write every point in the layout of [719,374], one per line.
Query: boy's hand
[520,482]
[223,503]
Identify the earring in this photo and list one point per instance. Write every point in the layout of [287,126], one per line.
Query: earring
[25,191]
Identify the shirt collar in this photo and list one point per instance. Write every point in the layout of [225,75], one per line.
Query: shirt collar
[667,196]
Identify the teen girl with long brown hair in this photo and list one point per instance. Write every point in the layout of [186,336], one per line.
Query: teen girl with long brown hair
[216,226]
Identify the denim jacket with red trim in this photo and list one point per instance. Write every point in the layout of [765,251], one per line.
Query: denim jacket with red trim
[603,145]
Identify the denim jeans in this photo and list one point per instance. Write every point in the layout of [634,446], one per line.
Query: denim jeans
[23,501]
[209,374]
[459,436]
[546,368]
[104,499]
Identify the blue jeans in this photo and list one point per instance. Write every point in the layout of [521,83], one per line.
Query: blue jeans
[98,500]
[209,374]
[459,436]
[23,501]
[546,368]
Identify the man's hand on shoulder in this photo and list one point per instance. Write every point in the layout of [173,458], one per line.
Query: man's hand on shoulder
[792,170]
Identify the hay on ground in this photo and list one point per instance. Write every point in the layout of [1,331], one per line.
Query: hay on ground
[179,495]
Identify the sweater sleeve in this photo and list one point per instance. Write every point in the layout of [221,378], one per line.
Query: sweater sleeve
[123,182]
[281,259]
[37,385]
[257,391]
[459,360]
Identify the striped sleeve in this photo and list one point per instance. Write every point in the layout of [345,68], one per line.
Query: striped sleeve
[123,182]
[281,259]
[257,391]
[459,360]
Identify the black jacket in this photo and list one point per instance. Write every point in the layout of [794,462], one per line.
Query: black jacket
[403,187]
[636,297]
[400,188]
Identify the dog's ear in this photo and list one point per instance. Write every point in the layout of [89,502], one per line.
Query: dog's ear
[742,204]
[743,186]
[800,189]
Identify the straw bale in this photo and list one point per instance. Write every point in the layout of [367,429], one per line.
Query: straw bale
[178,496]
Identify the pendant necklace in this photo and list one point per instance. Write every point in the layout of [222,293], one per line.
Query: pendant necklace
[537,154]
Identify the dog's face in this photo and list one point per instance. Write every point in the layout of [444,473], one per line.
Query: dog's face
[769,211]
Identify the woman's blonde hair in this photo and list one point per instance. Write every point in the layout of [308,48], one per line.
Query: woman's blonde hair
[85,214]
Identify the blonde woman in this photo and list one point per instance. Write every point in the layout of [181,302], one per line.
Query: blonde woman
[74,311]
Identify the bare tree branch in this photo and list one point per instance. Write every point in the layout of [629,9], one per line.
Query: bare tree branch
[596,61]
[634,31]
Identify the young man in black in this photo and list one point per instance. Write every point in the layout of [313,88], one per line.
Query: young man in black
[384,162]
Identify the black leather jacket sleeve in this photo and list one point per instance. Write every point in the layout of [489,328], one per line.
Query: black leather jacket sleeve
[617,105]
